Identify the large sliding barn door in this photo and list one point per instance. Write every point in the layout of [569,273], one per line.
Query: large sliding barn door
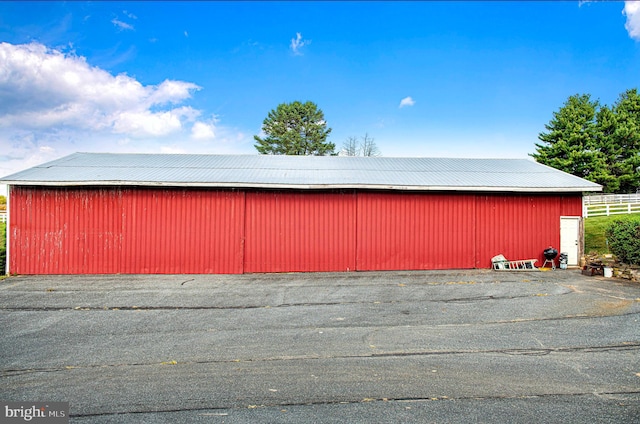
[125,231]
[415,231]
[299,231]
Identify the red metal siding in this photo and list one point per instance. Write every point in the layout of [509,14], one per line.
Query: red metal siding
[300,231]
[52,231]
[183,231]
[415,231]
[103,231]
[518,226]
[144,230]
[571,205]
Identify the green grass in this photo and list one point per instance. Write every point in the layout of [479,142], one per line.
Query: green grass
[595,240]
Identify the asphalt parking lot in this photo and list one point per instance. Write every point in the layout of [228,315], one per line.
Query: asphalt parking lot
[428,346]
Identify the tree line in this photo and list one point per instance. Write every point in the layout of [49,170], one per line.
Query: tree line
[597,142]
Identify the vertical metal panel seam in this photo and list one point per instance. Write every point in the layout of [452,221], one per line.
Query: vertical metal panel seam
[243,235]
[476,260]
[474,225]
[7,259]
[355,220]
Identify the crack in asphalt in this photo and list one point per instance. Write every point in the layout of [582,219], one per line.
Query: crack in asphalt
[582,316]
[512,352]
[359,401]
[241,307]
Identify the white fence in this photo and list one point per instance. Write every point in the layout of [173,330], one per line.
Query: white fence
[610,204]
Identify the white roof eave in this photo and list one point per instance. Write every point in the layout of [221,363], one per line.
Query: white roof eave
[227,185]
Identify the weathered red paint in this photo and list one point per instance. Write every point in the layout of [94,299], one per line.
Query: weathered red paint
[300,231]
[180,230]
[125,230]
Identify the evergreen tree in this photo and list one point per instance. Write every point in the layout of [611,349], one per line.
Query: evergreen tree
[598,143]
[569,144]
[625,164]
[605,128]
[295,129]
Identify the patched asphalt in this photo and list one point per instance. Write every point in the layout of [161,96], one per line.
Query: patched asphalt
[424,346]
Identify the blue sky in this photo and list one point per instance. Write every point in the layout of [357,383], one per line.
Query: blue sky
[448,79]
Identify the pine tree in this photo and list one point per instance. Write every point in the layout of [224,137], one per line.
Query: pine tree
[295,129]
[598,143]
[625,164]
[569,144]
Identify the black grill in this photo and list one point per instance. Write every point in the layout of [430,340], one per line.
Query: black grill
[550,253]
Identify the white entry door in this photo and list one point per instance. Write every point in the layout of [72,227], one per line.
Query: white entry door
[569,237]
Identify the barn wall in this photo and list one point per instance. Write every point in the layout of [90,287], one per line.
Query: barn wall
[571,205]
[182,231]
[520,226]
[142,230]
[129,230]
[52,231]
[300,231]
[415,231]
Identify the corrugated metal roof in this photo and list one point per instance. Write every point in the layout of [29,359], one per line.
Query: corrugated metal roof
[302,172]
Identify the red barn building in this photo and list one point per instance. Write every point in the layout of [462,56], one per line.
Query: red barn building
[93,213]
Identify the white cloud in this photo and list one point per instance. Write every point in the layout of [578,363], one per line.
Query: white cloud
[43,88]
[129,15]
[407,101]
[632,12]
[298,43]
[143,122]
[54,103]
[122,25]
[171,92]
[202,131]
